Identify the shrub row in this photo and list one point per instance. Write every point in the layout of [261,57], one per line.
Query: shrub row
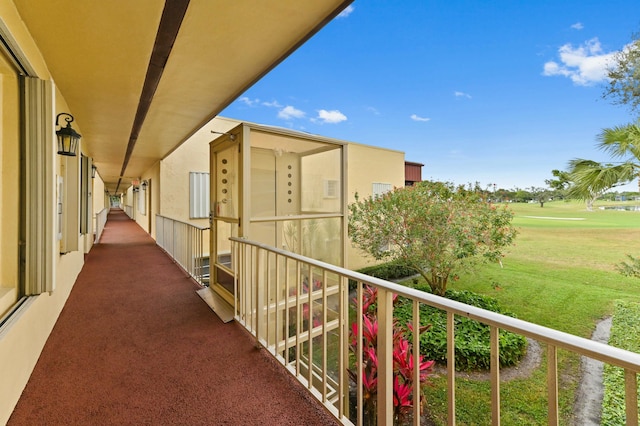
[473,351]
[625,334]
[388,271]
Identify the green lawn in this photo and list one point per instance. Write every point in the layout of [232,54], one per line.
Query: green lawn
[561,274]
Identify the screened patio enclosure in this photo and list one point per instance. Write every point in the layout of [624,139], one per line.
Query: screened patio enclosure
[277,187]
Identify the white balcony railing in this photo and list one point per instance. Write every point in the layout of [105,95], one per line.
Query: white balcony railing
[298,309]
[184,242]
[101,221]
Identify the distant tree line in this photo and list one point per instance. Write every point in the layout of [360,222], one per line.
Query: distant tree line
[556,190]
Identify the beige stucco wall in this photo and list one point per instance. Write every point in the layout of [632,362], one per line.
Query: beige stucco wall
[191,156]
[366,165]
[24,335]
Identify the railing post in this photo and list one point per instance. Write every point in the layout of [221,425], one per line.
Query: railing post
[310,326]
[278,334]
[631,397]
[236,249]
[173,239]
[266,302]
[343,362]
[360,355]
[287,319]
[324,337]
[259,268]
[495,375]
[451,369]
[417,388]
[385,357]
[298,317]
[552,384]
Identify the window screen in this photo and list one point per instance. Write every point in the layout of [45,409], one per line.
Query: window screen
[198,195]
[380,188]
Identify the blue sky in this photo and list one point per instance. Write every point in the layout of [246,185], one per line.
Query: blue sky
[497,92]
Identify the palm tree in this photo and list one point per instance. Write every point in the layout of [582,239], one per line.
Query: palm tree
[592,179]
[623,142]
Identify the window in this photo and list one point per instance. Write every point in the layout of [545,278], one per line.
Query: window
[380,189]
[330,188]
[198,195]
[9,177]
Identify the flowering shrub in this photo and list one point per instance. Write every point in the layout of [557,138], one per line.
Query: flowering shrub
[435,229]
[403,363]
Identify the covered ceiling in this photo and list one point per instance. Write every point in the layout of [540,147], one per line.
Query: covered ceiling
[142,76]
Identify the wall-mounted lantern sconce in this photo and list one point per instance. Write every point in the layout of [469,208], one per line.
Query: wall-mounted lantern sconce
[67,137]
[93,171]
[144,185]
[136,189]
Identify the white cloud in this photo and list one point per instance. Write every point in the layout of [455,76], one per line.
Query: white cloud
[584,65]
[415,117]
[273,104]
[249,102]
[577,26]
[373,110]
[462,95]
[289,112]
[330,117]
[346,12]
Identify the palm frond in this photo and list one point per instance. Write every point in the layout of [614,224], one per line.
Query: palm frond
[621,142]
[591,179]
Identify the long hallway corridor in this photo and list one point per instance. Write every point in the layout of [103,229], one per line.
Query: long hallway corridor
[136,345]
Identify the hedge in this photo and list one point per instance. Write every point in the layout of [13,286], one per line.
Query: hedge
[625,334]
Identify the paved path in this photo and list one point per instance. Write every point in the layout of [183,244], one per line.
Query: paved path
[588,409]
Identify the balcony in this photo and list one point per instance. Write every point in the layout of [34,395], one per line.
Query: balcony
[135,344]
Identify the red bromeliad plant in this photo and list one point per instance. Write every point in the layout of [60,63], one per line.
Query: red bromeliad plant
[403,363]
[316,317]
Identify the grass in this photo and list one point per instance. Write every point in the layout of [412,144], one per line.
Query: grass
[625,333]
[560,274]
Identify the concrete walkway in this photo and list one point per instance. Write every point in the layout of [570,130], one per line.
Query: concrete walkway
[135,345]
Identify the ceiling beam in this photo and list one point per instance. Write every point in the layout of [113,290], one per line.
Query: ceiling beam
[172,16]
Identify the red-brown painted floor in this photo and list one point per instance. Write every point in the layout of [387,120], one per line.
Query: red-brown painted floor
[135,345]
